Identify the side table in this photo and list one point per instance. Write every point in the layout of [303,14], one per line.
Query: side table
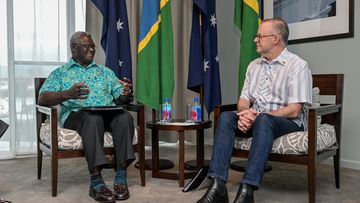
[179,126]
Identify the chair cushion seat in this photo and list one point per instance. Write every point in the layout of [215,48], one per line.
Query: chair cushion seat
[70,140]
[296,142]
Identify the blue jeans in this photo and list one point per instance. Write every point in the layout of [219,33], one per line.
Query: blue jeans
[264,130]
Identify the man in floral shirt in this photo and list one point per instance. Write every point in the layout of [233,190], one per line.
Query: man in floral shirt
[83,83]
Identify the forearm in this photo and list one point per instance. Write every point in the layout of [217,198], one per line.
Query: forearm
[243,104]
[52,98]
[291,111]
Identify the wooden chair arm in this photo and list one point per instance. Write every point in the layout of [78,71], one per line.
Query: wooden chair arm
[45,109]
[325,110]
[226,107]
[328,110]
[51,112]
[132,107]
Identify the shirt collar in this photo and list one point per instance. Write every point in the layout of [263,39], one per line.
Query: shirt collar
[73,63]
[281,59]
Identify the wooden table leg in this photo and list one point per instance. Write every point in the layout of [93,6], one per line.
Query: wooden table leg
[181,158]
[155,151]
[200,148]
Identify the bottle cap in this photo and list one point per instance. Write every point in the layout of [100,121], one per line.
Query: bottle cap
[166,99]
[196,99]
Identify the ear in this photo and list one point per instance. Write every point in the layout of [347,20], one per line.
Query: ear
[73,49]
[277,40]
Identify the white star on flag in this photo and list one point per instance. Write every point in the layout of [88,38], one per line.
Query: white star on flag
[217,58]
[206,65]
[121,63]
[119,25]
[213,20]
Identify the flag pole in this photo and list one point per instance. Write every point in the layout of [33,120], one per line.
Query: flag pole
[202,85]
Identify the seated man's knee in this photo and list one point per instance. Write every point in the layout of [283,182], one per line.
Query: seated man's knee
[263,119]
[227,118]
[93,119]
[124,117]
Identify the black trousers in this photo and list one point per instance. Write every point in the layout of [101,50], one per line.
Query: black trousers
[91,127]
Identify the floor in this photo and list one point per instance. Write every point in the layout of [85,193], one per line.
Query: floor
[285,183]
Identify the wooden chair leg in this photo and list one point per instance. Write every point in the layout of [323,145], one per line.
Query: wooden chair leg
[39,162]
[54,175]
[336,159]
[141,123]
[312,182]
[142,165]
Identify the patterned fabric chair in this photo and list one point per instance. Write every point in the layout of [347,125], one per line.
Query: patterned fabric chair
[60,143]
[320,142]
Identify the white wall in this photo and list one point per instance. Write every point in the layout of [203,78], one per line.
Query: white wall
[332,56]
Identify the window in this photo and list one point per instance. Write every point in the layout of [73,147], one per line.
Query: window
[37,33]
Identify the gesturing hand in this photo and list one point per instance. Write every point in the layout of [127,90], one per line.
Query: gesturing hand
[78,91]
[127,86]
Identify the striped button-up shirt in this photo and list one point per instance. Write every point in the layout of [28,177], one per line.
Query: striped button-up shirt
[102,82]
[272,85]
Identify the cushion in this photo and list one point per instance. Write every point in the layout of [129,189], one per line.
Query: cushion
[70,139]
[296,142]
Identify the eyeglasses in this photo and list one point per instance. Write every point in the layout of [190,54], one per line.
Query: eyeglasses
[86,46]
[260,36]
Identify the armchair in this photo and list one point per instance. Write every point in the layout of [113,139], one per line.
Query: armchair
[319,143]
[53,145]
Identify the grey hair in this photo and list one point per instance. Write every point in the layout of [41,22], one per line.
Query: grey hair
[75,38]
[281,27]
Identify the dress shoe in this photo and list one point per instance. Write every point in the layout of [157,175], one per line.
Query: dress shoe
[245,194]
[121,192]
[103,195]
[216,193]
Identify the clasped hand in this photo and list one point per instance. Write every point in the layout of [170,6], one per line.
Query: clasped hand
[246,119]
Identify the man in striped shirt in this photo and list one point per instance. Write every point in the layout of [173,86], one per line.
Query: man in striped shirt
[273,102]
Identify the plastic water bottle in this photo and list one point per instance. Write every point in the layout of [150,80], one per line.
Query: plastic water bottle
[196,111]
[166,110]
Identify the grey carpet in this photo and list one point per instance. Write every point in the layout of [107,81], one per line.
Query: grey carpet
[285,183]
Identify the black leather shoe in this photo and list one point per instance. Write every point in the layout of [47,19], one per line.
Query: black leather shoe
[216,193]
[121,192]
[103,195]
[245,194]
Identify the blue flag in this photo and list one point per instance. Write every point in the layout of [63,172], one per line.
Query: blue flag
[115,38]
[204,60]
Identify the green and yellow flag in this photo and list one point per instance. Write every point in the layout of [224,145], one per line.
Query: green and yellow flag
[155,67]
[247,18]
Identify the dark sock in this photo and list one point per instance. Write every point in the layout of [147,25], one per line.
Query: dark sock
[120,177]
[97,182]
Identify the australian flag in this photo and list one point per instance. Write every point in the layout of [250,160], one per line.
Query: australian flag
[204,60]
[115,38]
